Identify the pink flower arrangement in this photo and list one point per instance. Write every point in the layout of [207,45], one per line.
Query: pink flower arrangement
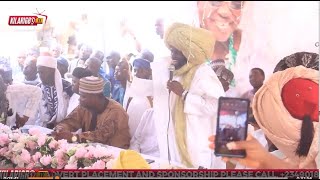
[100,152]
[3,151]
[31,144]
[25,156]
[41,140]
[99,165]
[53,144]
[59,154]
[34,132]
[4,139]
[36,150]
[80,153]
[36,157]
[46,160]
[30,166]
[15,136]
[71,166]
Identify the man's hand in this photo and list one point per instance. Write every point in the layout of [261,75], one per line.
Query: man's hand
[175,87]
[58,135]
[21,121]
[256,155]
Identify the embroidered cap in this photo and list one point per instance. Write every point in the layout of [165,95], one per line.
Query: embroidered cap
[300,97]
[91,85]
[141,63]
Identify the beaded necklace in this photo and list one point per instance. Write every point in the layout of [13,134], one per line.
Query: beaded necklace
[232,58]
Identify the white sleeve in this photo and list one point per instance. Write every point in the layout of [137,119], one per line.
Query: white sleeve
[205,101]
[28,94]
[137,139]
[34,96]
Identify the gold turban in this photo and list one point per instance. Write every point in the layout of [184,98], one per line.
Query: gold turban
[197,46]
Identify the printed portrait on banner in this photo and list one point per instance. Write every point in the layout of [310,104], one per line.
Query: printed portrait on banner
[222,18]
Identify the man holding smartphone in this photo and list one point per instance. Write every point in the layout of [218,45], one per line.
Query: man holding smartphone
[195,91]
[292,94]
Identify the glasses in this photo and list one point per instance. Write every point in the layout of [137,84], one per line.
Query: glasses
[234,5]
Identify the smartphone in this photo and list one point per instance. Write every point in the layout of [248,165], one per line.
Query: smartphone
[232,125]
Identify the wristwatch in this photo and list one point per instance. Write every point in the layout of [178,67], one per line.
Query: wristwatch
[74,138]
[184,94]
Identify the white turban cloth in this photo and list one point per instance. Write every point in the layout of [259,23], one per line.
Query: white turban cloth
[48,61]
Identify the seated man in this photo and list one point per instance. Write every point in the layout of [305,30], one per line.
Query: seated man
[102,120]
[102,73]
[56,92]
[18,102]
[138,96]
[77,74]
[30,72]
[112,59]
[94,65]
[144,139]
[122,76]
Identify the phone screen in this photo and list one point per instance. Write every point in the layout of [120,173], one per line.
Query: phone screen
[232,125]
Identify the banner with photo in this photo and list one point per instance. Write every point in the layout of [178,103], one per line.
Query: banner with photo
[258,34]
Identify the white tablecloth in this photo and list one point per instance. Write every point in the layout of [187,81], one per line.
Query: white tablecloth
[157,164]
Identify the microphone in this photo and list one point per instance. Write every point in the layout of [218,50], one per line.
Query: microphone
[171,69]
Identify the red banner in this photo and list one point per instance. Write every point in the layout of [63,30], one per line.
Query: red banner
[24,20]
[187,173]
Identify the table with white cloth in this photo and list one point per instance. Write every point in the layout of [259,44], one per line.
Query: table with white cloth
[115,151]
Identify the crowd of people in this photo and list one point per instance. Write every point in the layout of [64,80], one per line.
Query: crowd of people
[116,99]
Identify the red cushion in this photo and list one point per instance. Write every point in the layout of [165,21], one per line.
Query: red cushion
[301,97]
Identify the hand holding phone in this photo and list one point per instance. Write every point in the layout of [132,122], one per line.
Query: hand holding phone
[232,125]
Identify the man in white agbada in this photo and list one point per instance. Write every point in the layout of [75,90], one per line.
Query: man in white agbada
[139,93]
[150,137]
[54,103]
[18,102]
[139,109]
[195,91]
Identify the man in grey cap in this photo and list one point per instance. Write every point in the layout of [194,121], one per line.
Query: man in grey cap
[225,76]
[101,119]
[113,58]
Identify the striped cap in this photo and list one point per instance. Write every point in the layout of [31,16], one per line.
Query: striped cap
[91,85]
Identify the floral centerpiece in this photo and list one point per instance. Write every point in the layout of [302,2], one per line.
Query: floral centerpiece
[39,151]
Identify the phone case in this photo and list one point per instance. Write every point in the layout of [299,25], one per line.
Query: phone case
[228,153]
